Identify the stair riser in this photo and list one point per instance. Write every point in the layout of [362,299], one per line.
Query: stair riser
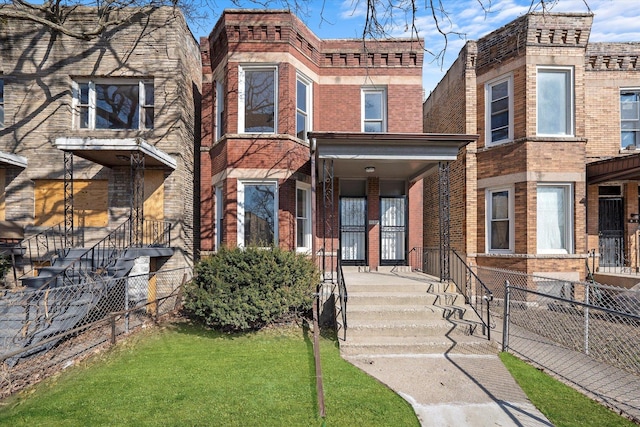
[418,288]
[362,316]
[435,348]
[363,299]
[355,331]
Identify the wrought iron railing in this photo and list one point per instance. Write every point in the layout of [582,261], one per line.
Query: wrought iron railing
[41,249]
[475,292]
[342,296]
[101,259]
[614,256]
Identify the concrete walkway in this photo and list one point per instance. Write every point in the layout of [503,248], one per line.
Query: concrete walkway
[446,388]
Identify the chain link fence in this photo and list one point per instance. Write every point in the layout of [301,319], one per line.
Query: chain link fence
[586,334]
[45,330]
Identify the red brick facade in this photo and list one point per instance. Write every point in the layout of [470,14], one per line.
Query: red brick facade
[337,72]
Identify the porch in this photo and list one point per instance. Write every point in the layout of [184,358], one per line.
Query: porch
[368,188]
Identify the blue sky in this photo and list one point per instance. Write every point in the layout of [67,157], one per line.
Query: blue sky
[614,20]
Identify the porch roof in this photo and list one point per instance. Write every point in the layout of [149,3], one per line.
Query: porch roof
[116,151]
[408,156]
[614,169]
[8,159]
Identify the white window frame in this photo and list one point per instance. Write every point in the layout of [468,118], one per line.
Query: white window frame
[511,218]
[219,110]
[568,219]
[570,100]
[2,104]
[308,113]
[142,105]
[636,131]
[488,90]
[218,216]
[241,95]
[373,90]
[242,183]
[306,248]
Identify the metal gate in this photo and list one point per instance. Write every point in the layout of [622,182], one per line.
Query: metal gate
[393,230]
[353,230]
[611,232]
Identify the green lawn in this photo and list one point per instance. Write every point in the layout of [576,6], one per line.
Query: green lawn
[183,375]
[562,405]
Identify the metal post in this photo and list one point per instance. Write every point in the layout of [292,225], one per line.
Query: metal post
[137,197]
[586,319]
[68,199]
[126,305]
[443,220]
[505,317]
[328,215]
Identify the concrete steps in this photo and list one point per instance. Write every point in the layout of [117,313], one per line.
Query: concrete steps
[405,313]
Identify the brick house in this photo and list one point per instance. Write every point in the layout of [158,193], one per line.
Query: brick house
[286,115]
[553,175]
[96,132]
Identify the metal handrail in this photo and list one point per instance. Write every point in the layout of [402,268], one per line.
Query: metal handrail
[485,300]
[43,247]
[342,294]
[97,260]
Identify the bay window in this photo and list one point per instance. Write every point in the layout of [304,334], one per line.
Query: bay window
[555,101]
[257,98]
[257,213]
[500,220]
[554,218]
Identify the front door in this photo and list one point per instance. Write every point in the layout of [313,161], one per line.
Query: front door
[353,230]
[393,230]
[611,232]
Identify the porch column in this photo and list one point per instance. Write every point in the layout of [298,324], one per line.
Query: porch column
[443,201]
[68,199]
[137,198]
[328,211]
[373,222]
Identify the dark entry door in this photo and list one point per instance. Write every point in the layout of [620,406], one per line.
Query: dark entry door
[353,230]
[611,232]
[393,230]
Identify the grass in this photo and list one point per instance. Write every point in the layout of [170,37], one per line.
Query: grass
[561,404]
[185,375]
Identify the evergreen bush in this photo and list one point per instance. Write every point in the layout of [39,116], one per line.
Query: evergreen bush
[247,289]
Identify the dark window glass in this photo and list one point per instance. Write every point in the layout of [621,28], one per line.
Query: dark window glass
[259,107]
[259,221]
[117,106]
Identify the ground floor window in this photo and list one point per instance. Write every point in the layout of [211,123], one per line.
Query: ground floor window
[303,217]
[257,213]
[500,228]
[554,214]
[90,202]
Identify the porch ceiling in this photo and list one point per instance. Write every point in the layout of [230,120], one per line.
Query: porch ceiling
[614,169]
[8,159]
[116,152]
[407,156]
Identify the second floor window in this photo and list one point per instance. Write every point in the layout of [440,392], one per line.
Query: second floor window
[303,107]
[630,119]
[374,110]
[219,110]
[257,99]
[1,103]
[499,95]
[119,104]
[555,101]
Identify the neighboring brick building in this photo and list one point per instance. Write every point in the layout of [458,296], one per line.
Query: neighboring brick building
[286,115]
[546,104]
[128,95]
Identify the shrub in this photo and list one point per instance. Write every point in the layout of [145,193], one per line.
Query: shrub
[247,289]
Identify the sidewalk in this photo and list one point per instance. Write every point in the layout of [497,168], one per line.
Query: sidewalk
[455,390]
